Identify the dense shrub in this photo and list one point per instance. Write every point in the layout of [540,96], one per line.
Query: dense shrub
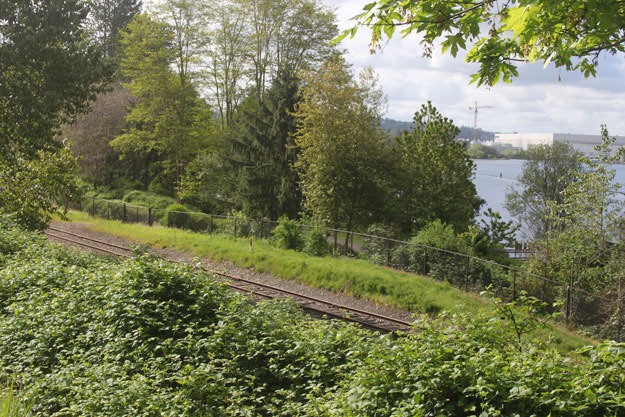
[288,234]
[462,366]
[83,336]
[375,248]
[147,199]
[316,243]
[176,215]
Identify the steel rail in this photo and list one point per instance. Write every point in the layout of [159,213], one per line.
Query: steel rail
[365,318]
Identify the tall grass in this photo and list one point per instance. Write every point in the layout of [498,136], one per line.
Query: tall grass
[10,404]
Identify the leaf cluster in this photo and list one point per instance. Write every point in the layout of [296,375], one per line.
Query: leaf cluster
[497,35]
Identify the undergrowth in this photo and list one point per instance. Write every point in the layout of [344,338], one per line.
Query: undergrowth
[86,336]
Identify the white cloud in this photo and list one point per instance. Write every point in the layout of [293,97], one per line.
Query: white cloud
[539,100]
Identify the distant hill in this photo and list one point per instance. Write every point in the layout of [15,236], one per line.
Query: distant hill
[395,127]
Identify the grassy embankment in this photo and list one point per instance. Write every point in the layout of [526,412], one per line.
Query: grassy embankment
[356,277]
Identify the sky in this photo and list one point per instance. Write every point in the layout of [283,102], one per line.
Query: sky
[539,100]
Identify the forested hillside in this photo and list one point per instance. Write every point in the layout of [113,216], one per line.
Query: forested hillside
[395,127]
[248,110]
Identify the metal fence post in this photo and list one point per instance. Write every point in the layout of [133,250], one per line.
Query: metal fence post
[466,275]
[388,252]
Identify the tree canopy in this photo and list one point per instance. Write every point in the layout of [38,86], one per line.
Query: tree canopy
[571,34]
[548,170]
[342,147]
[436,173]
[49,69]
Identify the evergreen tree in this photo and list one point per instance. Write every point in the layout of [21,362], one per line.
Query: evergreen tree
[107,18]
[436,180]
[266,152]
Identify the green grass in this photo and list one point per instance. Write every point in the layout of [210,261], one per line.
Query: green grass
[356,277]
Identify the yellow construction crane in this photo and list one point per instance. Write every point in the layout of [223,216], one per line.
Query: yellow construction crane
[475,108]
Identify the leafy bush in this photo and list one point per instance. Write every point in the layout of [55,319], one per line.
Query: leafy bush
[316,243]
[288,235]
[176,215]
[83,336]
[150,338]
[147,199]
[374,248]
[462,366]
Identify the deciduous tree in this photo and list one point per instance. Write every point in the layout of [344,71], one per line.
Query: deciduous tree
[49,70]
[168,124]
[571,34]
[548,170]
[343,158]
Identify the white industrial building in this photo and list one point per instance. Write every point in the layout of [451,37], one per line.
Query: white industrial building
[583,143]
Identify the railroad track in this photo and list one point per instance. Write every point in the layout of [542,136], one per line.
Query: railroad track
[313,305]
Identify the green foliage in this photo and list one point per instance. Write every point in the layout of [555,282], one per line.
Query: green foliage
[548,170]
[263,155]
[457,365]
[34,189]
[343,161]
[435,176]
[479,151]
[147,199]
[498,35]
[288,234]
[176,215]
[499,232]
[83,336]
[168,123]
[11,405]
[440,235]
[524,315]
[316,243]
[583,250]
[48,74]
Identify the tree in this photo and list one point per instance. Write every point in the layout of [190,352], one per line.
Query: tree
[89,137]
[343,159]
[584,248]
[286,34]
[107,18]
[251,41]
[226,58]
[50,70]
[265,152]
[548,170]
[570,34]
[436,174]
[168,124]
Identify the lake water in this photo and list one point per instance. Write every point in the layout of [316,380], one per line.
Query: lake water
[494,177]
